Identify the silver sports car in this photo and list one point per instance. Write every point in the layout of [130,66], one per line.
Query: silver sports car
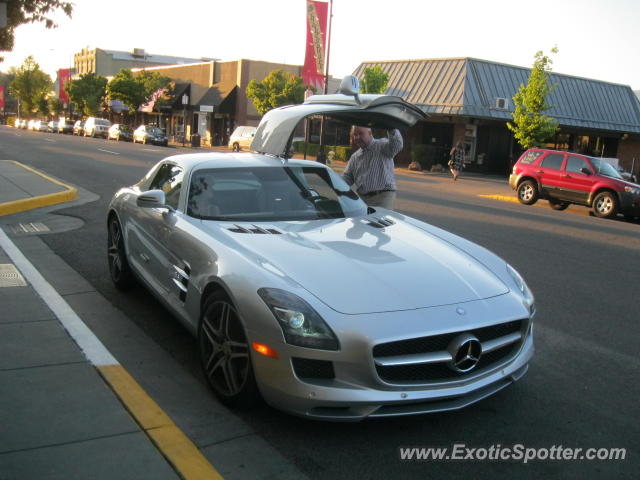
[302,295]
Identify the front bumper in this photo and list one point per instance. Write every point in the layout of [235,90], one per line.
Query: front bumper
[357,391]
[513,180]
[630,204]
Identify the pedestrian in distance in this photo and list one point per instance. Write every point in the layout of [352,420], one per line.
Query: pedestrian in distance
[370,168]
[456,160]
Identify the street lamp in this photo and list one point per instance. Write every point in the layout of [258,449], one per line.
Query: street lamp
[185,101]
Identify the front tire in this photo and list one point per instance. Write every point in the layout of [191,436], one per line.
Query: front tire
[119,268]
[528,192]
[225,354]
[236,147]
[605,205]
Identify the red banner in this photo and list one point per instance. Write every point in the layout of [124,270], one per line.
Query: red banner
[1,97]
[314,60]
[64,75]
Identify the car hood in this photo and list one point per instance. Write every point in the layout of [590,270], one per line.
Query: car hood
[382,111]
[355,267]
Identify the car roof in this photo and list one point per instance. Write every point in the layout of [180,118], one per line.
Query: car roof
[192,161]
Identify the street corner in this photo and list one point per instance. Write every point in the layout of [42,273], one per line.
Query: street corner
[24,188]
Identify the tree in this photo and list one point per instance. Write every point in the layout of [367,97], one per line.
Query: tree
[29,11]
[158,88]
[277,89]
[374,80]
[56,107]
[30,86]
[87,93]
[129,90]
[530,126]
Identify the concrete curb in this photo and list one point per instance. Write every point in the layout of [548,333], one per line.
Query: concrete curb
[69,194]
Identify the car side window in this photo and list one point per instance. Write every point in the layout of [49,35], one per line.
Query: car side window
[575,164]
[169,180]
[553,161]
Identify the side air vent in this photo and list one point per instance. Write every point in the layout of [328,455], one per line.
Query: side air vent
[380,222]
[254,229]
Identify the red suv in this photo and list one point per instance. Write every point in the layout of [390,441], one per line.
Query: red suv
[565,177]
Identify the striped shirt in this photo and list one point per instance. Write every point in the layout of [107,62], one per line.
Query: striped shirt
[370,169]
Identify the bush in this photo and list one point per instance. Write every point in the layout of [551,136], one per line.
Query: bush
[11,121]
[419,154]
[341,152]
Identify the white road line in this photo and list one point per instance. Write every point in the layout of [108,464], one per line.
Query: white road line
[108,151]
[93,348]
[151,150]
[49,140]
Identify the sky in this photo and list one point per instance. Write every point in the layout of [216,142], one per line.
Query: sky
[597,39]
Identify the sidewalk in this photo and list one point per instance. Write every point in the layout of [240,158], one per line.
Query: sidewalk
[68,410]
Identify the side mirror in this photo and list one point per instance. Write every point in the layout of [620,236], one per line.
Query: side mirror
[585,170]
[152,199]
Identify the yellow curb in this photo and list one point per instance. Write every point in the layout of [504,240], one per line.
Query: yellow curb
[15,206]
[503,198]
[181,452]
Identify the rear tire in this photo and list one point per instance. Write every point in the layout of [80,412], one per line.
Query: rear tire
[225,353]
[605,205]
[528,192]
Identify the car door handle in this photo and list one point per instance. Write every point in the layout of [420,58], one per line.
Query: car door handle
[539,171]
[566,175]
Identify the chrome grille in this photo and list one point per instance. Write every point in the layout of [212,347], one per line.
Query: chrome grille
[427,359]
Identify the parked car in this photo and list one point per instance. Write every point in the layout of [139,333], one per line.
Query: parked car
[78,127]
[65,126]
[150,134]
[30,124]
[96,127]
[300,293]
[40,126]
[564,178]
[52,126]
[119,131]
[241,138]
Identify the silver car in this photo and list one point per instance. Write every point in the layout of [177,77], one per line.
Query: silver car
[301,294]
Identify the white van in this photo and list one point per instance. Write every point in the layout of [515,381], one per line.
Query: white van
[241,138]
[96,127]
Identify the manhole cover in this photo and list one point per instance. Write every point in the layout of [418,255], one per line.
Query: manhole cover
[31,227]
[10,276]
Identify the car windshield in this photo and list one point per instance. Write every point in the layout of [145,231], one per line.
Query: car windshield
[154,130]
[604,168]
[103,122]
[269,194]
[124,128]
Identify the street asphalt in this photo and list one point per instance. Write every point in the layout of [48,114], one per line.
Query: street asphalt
[68,408]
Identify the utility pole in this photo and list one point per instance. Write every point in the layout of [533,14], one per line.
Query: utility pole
[322,156]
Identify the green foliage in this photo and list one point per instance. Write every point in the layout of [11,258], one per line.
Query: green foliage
[157,87]
[29,11]
[55,107]
[375,80]
[128,89]
[530,126]
[30,86]
[341,152]
[277,89]
[87,93]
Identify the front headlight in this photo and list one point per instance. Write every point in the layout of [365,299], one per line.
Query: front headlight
[523,287]
[632,190]
[300,323]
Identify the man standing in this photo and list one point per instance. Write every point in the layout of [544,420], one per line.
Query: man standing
[370,168]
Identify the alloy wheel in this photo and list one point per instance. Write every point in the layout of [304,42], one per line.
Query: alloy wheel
[224,349]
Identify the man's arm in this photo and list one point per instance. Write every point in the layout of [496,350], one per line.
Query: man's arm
[395,143]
